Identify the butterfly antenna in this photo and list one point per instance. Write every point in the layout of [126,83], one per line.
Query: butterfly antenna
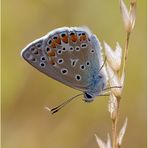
[57,108]
[104,95]
[112,87]
[103,64]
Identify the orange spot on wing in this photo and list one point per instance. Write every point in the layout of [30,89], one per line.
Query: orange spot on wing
[58,40]
[65,39]
[53,44]
[52,62]
[51,53]
[82,37]
[74,38]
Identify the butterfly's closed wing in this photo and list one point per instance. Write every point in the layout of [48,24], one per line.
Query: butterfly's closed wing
[69,55]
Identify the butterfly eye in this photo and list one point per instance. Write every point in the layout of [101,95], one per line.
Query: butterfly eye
[64,71]
[78,77]
[42,65]
[83,45]
[87,96]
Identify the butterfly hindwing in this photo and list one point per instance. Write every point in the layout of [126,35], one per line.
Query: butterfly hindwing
[69,55]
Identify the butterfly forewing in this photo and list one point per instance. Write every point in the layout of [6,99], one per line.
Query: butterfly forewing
[67,55]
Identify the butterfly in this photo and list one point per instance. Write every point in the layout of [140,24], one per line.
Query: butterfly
[72,56]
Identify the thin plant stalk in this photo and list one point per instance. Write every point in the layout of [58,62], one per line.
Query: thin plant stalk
[116,64]
[115,120]
[114,126]
[125,52]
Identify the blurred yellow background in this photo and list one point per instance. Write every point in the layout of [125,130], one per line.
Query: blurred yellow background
[26,91]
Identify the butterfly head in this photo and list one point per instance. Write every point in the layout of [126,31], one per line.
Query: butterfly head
[88,97]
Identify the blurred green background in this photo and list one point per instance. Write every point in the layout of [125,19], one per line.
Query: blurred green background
[25,91]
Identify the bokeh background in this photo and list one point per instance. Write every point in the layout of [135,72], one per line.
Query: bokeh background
[26,91]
